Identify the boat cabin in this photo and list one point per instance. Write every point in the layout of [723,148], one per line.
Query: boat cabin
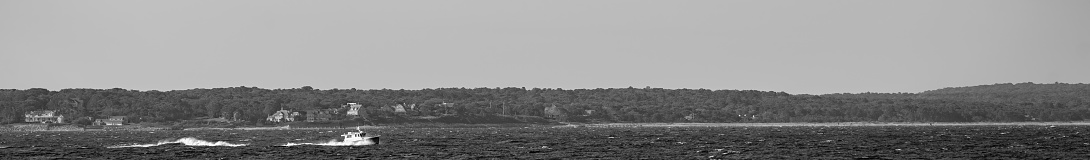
[354,135]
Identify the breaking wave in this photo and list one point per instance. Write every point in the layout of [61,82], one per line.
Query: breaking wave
[366,141]
[189,141]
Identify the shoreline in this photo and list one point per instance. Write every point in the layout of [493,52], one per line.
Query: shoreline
[13,128]
[829,124]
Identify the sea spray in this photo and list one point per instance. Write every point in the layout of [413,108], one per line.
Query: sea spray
[189,141]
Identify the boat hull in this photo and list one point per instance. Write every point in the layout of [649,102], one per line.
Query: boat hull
[366,140]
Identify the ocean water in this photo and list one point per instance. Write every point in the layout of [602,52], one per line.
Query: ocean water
[810,142]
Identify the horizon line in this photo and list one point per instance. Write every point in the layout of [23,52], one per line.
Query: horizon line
[529,88]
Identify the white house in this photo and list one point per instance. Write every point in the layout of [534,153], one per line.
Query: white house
[43,116]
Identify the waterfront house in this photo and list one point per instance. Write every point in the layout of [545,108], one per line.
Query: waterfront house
[353,109]
[398,108]
[283,116]
[43,116]
[553,112]
[111,121]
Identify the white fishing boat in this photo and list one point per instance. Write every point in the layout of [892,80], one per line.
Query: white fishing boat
[360,137]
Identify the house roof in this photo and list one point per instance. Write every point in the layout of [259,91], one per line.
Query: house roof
[281,112]
[398,108]
[112,122]
[108,121]
[39,112]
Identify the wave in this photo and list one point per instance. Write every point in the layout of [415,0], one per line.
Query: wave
[189,141]
[365,141]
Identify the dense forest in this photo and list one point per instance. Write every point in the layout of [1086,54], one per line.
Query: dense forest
[986,103]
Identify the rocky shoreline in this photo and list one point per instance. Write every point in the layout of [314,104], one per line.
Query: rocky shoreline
[40,127]
[70,127]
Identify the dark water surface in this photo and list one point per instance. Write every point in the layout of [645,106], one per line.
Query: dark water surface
[890,142]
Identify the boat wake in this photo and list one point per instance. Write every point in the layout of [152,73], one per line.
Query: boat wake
[366,141]
[188,141]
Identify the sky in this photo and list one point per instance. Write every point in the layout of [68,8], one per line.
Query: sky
[794,46]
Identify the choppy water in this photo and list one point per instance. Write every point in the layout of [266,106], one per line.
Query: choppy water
[970,142]
[188,141]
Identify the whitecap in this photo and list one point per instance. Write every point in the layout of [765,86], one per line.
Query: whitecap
[189,141]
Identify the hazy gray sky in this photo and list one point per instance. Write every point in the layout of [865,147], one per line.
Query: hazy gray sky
[801,47]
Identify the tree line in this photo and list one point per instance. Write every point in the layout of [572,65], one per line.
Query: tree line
[986,103]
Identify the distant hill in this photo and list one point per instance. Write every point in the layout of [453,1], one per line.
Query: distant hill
[1017,93]
[252,105]
[997,93]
